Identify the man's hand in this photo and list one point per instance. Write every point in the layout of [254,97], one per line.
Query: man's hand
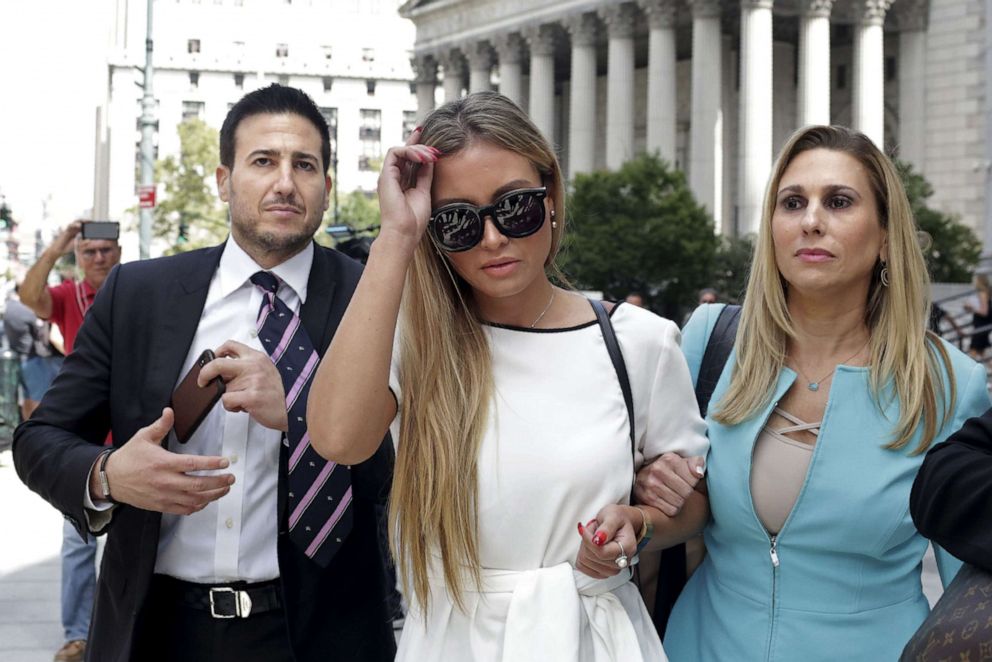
[252,383]
[667,482]
[143,474]
[63,242]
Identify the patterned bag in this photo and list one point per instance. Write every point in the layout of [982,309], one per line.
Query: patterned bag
[959,629]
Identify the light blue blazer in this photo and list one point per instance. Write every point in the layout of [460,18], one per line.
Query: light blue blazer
[843,579]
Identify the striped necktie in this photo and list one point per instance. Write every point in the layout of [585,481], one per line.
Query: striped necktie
[319,491]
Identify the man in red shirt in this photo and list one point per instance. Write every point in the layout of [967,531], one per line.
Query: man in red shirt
[65,305]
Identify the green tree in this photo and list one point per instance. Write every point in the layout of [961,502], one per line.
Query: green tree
[955,249]
[640,229]
[189,215]
[732,265]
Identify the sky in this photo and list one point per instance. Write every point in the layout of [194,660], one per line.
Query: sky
[52,64]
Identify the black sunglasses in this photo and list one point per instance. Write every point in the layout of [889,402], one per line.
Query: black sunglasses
[460,226]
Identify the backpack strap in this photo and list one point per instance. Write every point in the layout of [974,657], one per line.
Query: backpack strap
[718,347]
[616,356]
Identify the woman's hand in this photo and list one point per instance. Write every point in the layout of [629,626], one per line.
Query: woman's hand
[612,532]
[405,206]
[667,482]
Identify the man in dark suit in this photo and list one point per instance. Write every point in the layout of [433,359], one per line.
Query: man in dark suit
[241,544]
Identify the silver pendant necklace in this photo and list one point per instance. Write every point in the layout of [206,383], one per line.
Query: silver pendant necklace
[546,308]
[814,384]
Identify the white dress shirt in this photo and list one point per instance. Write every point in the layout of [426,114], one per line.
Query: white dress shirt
[233,538]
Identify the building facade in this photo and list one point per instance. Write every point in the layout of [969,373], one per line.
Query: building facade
[351,56]
[717,86]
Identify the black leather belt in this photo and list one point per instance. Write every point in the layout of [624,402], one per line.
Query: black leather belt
[233,600]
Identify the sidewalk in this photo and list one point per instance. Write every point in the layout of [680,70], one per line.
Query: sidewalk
[30,628]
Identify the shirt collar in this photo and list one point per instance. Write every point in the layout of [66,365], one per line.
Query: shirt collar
[236,267]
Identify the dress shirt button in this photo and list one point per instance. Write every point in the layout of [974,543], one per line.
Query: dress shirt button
[234,458]
[229,523]
[253,332]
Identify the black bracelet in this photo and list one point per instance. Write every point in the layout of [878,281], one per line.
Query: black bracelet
[102,473]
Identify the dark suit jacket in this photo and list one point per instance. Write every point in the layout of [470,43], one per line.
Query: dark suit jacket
[951,501]
[121,374]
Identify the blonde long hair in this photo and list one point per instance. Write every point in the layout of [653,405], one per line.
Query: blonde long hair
[446,367]
[901,349]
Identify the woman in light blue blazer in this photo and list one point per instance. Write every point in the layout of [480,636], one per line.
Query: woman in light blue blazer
[818,423]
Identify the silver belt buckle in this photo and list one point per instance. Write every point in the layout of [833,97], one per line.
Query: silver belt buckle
[242,603]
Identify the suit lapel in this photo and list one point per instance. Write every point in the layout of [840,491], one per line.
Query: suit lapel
[181,307]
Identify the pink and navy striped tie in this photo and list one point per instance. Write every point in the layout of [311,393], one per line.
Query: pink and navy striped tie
[319,500]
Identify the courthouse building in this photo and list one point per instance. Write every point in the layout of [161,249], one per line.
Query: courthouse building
[716,86]
[351,56]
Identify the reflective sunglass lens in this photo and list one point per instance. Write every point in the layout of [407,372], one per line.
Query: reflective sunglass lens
[520,214]
[457,229]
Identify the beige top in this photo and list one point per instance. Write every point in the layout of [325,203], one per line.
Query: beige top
[778,470]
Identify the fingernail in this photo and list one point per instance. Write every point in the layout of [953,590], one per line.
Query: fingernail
[436,150]
[700,471]
[419,128]
[582,529]
[224,463]
[599,538]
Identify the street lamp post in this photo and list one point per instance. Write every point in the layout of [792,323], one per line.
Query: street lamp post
[147,143]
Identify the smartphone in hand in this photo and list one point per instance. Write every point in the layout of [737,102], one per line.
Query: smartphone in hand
[101,230]
[190,402]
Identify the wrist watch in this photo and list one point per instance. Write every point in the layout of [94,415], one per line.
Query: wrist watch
[647,529]
[102,474]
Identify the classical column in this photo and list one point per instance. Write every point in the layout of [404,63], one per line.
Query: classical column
[814,62]
[619,21]
[706,128]
[755,150]
[425,77]
[582,29]
[912,21]
[509,50]
[662,81]
[542,77]
[480,66]
[453,64]
[868,103]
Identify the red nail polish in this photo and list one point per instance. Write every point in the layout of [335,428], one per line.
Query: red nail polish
[590,522]
[599,538]
[419,128]
[582,529]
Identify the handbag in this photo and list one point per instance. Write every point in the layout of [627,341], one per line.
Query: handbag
[960,625]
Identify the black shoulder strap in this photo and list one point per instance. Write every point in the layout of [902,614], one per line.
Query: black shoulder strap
[718,347]
[613,347]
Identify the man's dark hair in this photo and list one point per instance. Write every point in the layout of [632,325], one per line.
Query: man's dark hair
[273,100]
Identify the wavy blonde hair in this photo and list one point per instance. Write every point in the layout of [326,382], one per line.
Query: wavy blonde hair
[901,349]
[446,367]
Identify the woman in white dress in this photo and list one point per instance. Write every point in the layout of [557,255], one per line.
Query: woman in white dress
[507,413]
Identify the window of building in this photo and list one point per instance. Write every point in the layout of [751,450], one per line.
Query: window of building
[283,79]
[368,55]
[239,81]
[370,87]
[194,80]
[413,87]
[890,68]
[331,117]
[369,136]
[192,110]
[841,76]
[409,122]
[192,45]
[328,52]
[328,83]
[282,50]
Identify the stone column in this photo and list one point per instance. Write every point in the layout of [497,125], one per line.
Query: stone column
[582,29]
[453,64]
[662,77]
[706,128]
[912,21]
[480,66]
[868,102]
[509,49]
[542,77]
[425,77]
[619,21]
[755,130]
[814,62]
